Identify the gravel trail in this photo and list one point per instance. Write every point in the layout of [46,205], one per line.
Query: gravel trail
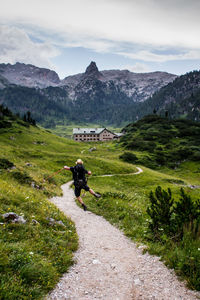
[109,266]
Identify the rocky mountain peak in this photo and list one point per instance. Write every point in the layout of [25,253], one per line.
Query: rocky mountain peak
[92,71]
[29,75]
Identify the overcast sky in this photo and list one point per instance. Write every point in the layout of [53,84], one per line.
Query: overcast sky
[66,35]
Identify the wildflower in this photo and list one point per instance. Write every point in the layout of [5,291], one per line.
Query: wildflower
[31,253]
[198,249]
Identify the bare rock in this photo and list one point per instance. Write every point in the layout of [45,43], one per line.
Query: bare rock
[14,218]
[35,222]
[10,216]
[19,220]
[28,165]
[60,223]
[51,221]
[92,149]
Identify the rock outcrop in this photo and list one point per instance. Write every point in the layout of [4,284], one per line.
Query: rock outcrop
[29,75]
[135,86]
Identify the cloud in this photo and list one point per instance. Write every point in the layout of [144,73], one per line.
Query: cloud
[135,29]
[150,56]
[138,68]
[147,22]
[16,46]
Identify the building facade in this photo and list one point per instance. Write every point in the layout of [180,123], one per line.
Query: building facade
[94,134]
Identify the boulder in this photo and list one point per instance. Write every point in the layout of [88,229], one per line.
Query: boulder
[14,218]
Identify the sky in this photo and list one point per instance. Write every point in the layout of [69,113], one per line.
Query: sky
[66,35]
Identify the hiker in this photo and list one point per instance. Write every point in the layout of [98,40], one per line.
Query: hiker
[80,181]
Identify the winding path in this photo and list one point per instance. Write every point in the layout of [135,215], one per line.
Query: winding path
[109,266]
[139,170]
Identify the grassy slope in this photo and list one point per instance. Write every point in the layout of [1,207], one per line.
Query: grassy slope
[124,203]
[32,257]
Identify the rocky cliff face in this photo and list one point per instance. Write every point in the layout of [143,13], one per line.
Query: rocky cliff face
[29,75]
[137,87]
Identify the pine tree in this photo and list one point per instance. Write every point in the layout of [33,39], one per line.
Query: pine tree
[160,209]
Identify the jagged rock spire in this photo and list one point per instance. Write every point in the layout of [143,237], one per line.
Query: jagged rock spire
[92,71]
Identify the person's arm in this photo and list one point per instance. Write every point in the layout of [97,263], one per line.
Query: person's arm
[87,172]
[66,168]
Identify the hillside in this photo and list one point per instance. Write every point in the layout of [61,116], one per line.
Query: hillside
[181,98]
[28,264]
[167,142]
[28,155]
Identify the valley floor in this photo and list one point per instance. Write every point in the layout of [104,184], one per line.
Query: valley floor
[109,266]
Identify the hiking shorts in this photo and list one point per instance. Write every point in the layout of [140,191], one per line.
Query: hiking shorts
[78,189]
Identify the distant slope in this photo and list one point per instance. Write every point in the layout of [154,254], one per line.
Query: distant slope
[29,75]
[44,109]
[169,142]
[181,98]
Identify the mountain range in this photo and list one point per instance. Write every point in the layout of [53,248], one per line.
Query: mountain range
[107,97]
[134,85]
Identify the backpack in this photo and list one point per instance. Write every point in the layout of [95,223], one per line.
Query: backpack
[79,175]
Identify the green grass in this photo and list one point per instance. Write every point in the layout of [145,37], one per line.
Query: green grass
[33,257]
[124,202]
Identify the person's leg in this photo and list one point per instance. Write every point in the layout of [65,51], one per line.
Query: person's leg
[94,194]
[80,199]
[78,196]
[91,192]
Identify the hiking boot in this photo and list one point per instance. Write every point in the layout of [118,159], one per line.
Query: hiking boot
[97,195]
[84,207]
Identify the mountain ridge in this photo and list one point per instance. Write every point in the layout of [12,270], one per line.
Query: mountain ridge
[136,86]
[108,97]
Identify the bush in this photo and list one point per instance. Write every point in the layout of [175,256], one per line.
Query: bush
[22,178]
[5,124]
[160,210]
[5,163]
[129,157]
[196,156]
[169,217]
[187,214]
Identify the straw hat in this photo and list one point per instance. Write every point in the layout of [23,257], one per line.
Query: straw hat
[79,161]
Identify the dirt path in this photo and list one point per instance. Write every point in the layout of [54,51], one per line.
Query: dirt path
[109,266]
[139,170]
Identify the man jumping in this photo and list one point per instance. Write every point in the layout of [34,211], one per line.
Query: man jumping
[80,181]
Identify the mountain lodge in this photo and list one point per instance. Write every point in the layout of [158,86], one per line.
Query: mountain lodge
[94,134]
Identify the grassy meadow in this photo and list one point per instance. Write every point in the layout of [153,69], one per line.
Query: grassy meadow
[34,256]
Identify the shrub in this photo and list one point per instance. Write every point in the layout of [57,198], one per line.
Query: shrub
[129,157]
[22,178]
[187,214]
[5,163]
[170,217]
[160,209]
[196,156]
